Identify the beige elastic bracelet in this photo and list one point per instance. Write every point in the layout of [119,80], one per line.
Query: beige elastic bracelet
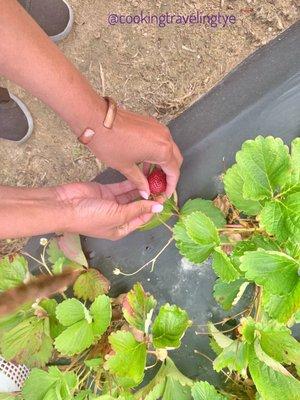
[108,122]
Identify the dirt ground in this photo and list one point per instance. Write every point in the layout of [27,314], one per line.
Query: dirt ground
[159,71]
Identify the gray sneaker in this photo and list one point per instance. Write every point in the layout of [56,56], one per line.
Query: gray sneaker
[55,17]
[16,122]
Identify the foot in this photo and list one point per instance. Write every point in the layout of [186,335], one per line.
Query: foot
[55,17]
[15,120]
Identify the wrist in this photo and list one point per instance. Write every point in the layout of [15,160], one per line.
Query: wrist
[29,212]
[89,113]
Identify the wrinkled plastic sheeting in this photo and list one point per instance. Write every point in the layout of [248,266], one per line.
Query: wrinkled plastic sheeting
[261,96]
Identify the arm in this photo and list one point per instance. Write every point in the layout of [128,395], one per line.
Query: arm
[103,211]
[26,212]
[31,60]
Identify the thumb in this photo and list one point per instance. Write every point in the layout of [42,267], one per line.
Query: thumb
[137,209]
[136,176]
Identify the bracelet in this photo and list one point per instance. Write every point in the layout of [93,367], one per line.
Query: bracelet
[108,122]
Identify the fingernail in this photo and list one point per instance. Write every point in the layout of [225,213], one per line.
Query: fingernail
[157,208]
[144,195]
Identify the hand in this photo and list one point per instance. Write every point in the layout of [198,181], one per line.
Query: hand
[105,211]
[138,139]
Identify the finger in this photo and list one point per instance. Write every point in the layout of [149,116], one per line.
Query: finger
[131,226]
[172,171]
[121,187]
[128,212]
[136,176]
[146,168]
[128,197]
[177,154]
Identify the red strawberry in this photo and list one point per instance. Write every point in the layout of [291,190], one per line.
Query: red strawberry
[157,182]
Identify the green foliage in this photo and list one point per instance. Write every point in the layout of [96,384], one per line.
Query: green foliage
[271,384]
[205,391]
[129,360]
[90,284]
[169,383]
[256,243]
[58,258]
[196,237]
[207,207]
[265,167]
[138,307]
[164,216]
[223,266]
[13,272]
[54,384]
[228,294]
[233,183]
[169,327]
[83,326]
[28,342]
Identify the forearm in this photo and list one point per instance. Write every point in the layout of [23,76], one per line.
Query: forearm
[29,58]
[29,212]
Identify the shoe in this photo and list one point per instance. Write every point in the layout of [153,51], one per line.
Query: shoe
[55,17]
[16,122]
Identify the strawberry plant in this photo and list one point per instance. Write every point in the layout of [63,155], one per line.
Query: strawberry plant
[91,346]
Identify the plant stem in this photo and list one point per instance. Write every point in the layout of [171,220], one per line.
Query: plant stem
[225,319]
[258,304]
[152,261]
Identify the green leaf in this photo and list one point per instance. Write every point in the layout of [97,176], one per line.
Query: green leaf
[276,271]
[49,305]
[90,284]
[292,210]
[169,327]
[269,361]
[207,207]
[256,242]
[174,390]
[228,294]
[282,307]
[138,307]
[101,312]
[94,363]
[295,154]
[205,391]
[13,272]
[75,338]
[187,247]
[223,267]
[202,230]
[233,183]
[222,340]
[70,311]
[83,326]
[156,388]
[281,218]
[196,237]
[28,343]
[265,165]
[248,329]
[130,357]
[234,357]
[54,384]
[271,384]
[273,220]
[277,341]
[164,216]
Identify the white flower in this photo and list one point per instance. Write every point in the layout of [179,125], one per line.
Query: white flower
[116,271]
[43,241]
